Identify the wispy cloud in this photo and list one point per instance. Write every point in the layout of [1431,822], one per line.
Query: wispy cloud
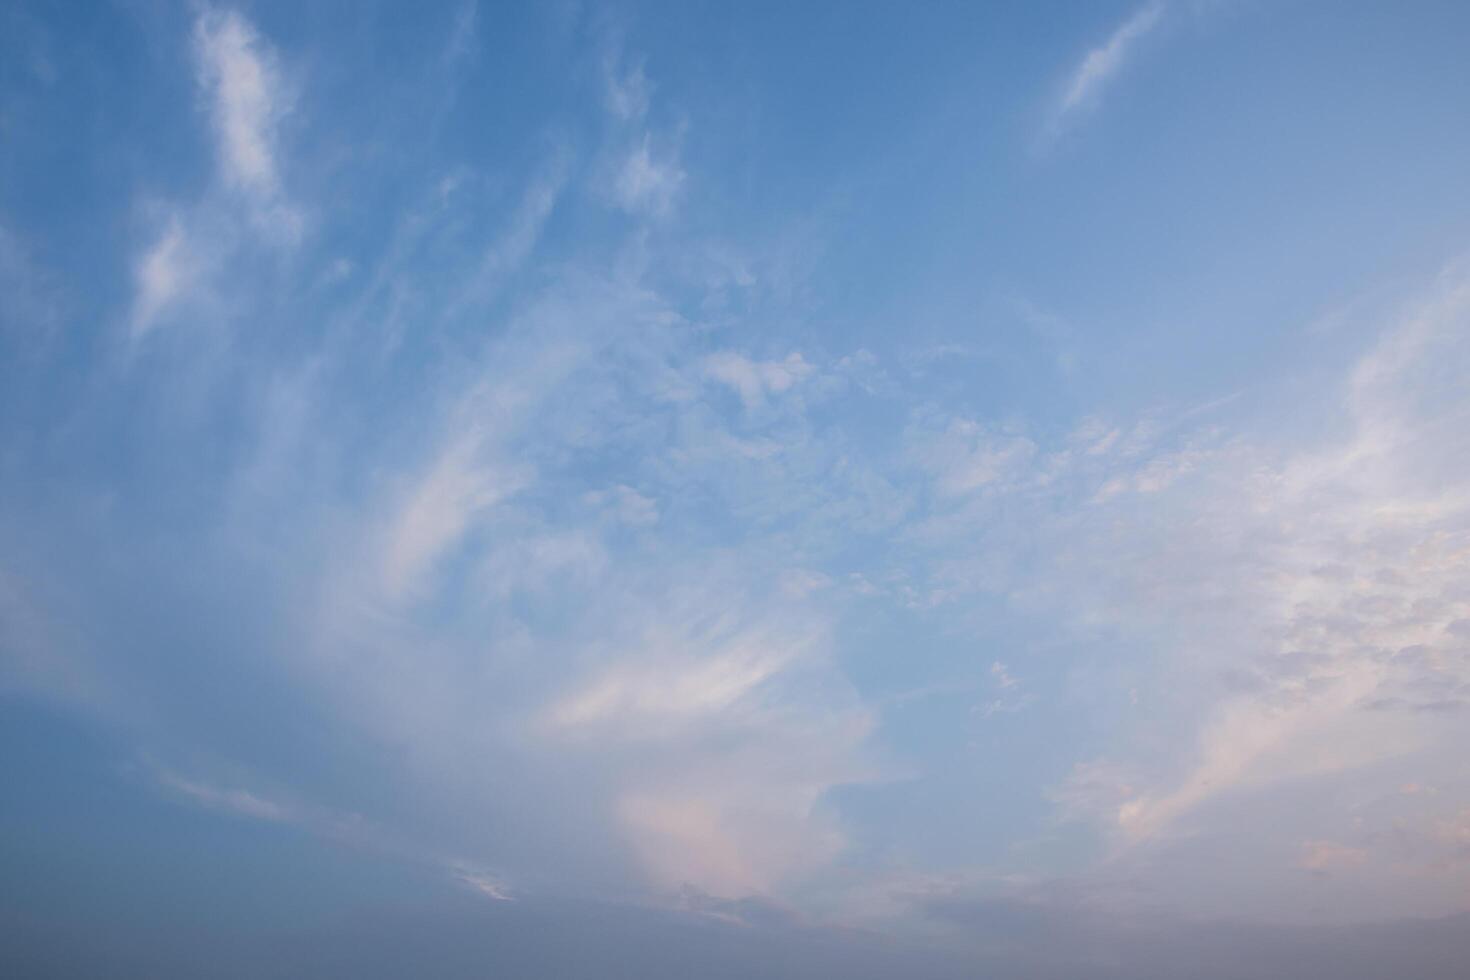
[647,182]
[626,90]
[508,252]
[162,275]
[485,883]
[1346,609]
[644,176]
[755,381]
[240,75]
[1100,65]
[237,801]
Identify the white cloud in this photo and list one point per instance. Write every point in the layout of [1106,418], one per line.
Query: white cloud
[485,883]
[241,76]
[756,381]
[737,815]
[162,275]
[471,471]
[438,511]
[501,604]
[1291,607]
[1102,63]
[1010,699]
[625,504]
[1094,790]
[737,724]
[237,801]
[515,244]
[675,687]
[734,841]
[532,561]
[646,183]
[1003,679]
[462,35]
[1339,614]
[965,456]
[625,92]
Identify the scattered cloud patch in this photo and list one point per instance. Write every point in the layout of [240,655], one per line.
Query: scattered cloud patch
[756,381]
[627,89]
[483,883]
[648,182]
[163,274]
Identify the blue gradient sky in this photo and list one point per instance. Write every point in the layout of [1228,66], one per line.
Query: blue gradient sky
[940,474]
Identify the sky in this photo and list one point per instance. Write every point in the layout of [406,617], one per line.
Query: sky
[796,490]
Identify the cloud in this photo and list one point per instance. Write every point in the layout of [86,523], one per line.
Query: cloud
[1003,679]
[673,689]
[237,801]
[162,275]
[756,381]
[626,92]
[240,74]
[437,512]
[965,456]
[560,622]
[483,883]
[1289,605]
[738,724]
[1321,855]
[1099,66]
[463,34]
[1009,699]
[625,504]
[647,183]
[508,252]
[1361,558]
[1295,606]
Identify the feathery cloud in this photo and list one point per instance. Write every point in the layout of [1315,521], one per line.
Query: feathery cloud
[1101,64]
[240,74]
[162,275]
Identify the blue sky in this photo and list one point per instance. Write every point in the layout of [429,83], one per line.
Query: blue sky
[784,482]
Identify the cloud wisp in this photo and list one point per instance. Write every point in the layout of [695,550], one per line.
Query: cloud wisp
[241,78]
[1097,69]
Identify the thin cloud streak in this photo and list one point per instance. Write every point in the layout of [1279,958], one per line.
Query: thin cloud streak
[1102,64]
